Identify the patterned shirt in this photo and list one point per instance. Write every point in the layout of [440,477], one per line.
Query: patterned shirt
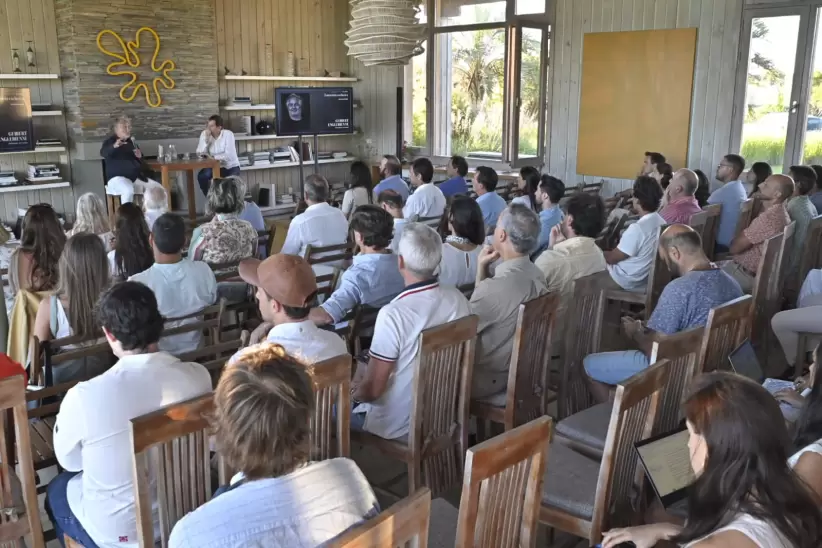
[686,301]
[680,210]
[801,210]
[770,222]
[225,239]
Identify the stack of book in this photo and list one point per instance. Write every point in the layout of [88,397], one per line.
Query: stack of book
[241,102]
[285,199]
[42,172]
[245,159]
[324,155]
[283,154]
[48,144]
[7,178]
[262,158]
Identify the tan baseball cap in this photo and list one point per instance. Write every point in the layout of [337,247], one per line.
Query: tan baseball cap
[288,279]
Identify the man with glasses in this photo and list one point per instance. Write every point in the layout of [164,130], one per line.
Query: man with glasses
[730,195]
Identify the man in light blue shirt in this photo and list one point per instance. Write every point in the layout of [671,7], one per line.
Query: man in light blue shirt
[549,193]
[374,277]
[491,203]
[456,169]
[391,173]
[731,195]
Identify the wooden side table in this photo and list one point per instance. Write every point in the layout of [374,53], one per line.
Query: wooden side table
[189,166]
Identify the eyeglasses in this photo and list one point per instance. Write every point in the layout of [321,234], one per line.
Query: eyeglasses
[724,165]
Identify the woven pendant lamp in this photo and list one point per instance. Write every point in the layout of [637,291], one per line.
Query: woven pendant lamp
[385,32]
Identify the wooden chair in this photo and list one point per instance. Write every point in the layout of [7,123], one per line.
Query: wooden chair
[334,259]
[438,433]
[18,494]
[172,442]
[584,497]
[502,488]
[763,293]
[812,251]
[226,272]
[777,288]
[706,223]
[332,390]
[404,524]
[526,396]
[363,319]
[727,327]
[746,215]
[209,321]
[586,431]
[213,356]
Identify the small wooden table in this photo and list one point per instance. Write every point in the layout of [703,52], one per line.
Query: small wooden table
[189,166]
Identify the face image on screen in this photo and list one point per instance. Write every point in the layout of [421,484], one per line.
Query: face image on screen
[294,114]
[308,111]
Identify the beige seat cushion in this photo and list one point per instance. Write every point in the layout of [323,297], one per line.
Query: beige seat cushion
[570,481]
[588,427]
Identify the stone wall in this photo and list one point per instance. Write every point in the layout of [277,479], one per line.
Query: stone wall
[186,30]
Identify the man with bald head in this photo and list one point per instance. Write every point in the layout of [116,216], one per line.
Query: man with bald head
[747,247]
[681,201]
[684,304]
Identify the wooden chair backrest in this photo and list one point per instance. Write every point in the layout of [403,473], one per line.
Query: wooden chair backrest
[658,277]
[706,223]
[226,271]
[764,282]
[441,394]
[681,350]
[17,522]
[209,320]
[329,254]
[213,356]
[404,524]
[786,259]
[583,336]
[172,442]
[632,420]
[727,327]
[332,390]
[364,318]
[527,394]
[45,353]
[812,250]
[502,488]
[327,283]
[113,203]
[746,215]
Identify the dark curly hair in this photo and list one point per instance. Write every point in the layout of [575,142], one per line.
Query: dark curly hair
[703,189]
[587,212]
[466,219]
[132,248]
[648,193]
[128,311]
[374,224]
[43,237]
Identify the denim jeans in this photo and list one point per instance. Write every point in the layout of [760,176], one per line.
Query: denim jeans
[614,367]
[205,175]
[57,507]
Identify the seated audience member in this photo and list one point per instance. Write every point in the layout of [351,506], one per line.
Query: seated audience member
[462,247]
[391,202]
[662,174]
[359,189]
[731,195]
[573,252]
[456,169]
[550,192]
[630,263]
[320,225]
[155,203]
[747,247]
[745,494]
[801,210]
[181,287]
[807,440]
[703,189]
[225,238]
[385,386]
[756,176]
[93,218]
[816,196]
[124,163]
[684,304]
[373,279]
[528,185]
[652,159]
[805,318]
[286,289]
[251,213]
[93,500]
[681,202]
[427,200]
[218,143]
[391,175]
[264,404]
[491,203]
[496,299]
[33,265]
[132,246]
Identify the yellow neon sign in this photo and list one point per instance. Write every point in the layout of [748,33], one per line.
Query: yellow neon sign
[131,58]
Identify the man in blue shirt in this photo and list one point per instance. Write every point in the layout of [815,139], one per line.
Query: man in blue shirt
[391,174]
[374,277]
[491,204]
[549,193]
[731,195]
[456,169]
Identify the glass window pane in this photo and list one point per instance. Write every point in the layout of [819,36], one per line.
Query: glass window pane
[768,89]
[812,151]
[531,113]
[467,12]
[416,107]
[525,7]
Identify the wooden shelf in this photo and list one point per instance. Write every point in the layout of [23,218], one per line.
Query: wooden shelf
[46,113]
[37,151]
[24,76]
[292,78]
[29,188]
[294,164]
[275,137]
[262,107]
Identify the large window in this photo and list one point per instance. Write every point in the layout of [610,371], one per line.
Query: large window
[480,88]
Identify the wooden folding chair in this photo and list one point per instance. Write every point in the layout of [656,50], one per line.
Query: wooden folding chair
[706,223]
[172,442]
[404,524]
[584,497]
[810,259]
[785,263]
[441,391]
[526,396]
[328,262]
[727,327]
[502,488]
[18,494]
[764,294]
[331,379]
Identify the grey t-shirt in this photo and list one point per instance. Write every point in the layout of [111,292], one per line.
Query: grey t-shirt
[686,301]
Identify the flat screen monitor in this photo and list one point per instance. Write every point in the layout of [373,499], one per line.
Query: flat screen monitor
[310,111]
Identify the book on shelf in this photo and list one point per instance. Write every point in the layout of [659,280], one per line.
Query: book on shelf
[42,170]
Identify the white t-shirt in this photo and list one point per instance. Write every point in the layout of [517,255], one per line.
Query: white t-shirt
[354,198]
[319,225]
[181,289]
[93,436]
[427,201]
[815,447]
[397,339]
[458,267]
[761,533]
[305,341]
[639,242]
[523,200]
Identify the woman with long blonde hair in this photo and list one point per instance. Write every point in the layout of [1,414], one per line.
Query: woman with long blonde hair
[92,218]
